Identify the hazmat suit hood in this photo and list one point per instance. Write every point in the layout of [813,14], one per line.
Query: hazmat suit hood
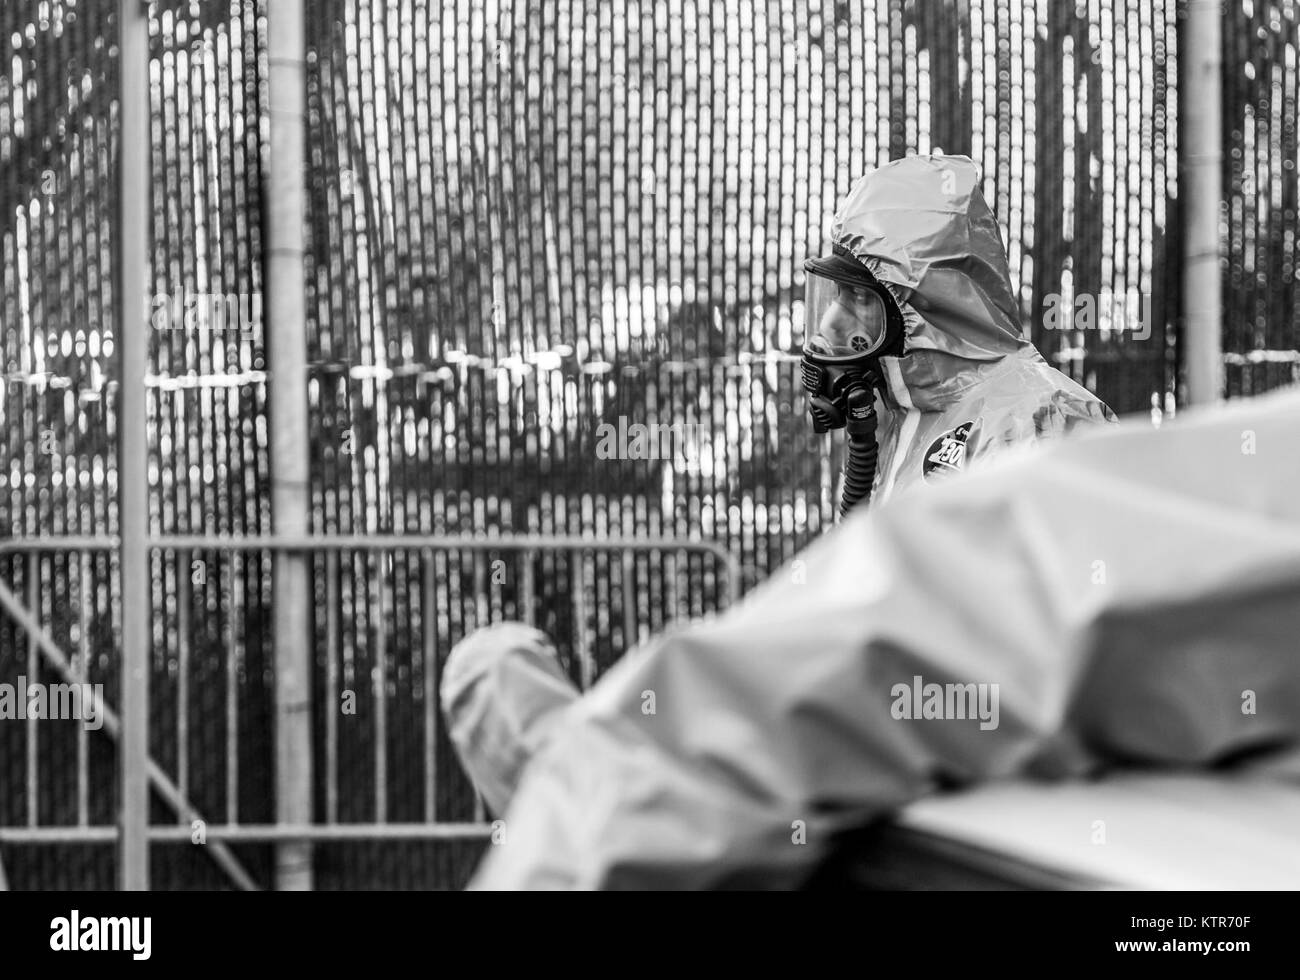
[968,382]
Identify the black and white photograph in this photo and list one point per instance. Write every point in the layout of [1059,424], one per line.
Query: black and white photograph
[499,446]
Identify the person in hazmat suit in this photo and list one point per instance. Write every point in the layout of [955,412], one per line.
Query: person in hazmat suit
[914,342]
[914,347]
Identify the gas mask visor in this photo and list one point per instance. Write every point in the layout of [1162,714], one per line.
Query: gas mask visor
[850,321]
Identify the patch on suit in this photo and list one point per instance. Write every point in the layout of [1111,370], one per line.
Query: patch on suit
[947,454]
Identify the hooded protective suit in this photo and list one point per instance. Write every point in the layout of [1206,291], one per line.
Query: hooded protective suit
[969,385]
[1130,594]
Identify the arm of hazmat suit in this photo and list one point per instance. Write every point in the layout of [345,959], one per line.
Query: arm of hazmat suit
[1133,594]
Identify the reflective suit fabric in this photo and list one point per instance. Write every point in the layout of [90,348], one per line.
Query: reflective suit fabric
[1123,589]
[502,691]
[921,226]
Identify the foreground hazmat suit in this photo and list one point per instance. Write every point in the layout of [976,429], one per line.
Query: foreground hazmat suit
[914,347]
[1129,595]
[912,319]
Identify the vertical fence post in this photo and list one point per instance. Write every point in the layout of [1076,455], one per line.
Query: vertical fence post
[133,165]
[286,340]
[1200,157]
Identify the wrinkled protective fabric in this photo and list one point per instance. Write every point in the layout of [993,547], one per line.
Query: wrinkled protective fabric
[502,690]
[922,228]
[1133,592]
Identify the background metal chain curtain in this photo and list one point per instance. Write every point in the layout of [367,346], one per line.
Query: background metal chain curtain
[1261,331]
[527,219]
[58,190]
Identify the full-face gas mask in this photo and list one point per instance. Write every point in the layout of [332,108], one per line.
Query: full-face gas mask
[852,321]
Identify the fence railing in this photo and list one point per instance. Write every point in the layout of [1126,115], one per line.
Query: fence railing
[467,562]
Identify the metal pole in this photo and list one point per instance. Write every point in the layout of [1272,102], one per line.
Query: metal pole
[1200,155]
[133,167]
[286,340]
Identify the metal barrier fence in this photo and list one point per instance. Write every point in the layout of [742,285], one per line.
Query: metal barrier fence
[414,795]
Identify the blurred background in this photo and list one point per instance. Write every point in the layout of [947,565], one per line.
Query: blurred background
[523,220]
